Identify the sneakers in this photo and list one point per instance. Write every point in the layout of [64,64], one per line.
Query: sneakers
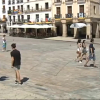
[80,61]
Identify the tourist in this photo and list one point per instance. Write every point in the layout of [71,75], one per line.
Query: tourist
[84,51]
[91,54]
[4,43]
[16,62]
[79,51]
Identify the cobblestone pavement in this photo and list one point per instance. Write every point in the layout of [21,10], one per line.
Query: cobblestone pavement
[49,71]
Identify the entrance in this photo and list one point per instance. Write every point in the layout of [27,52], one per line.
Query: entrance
[70,31]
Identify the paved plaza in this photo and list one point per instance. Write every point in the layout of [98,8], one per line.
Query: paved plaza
[48,71]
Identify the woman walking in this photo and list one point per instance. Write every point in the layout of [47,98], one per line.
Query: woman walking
[79,51]
[84,51]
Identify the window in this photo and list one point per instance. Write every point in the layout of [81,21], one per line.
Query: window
[46,5]
[22,17]
[69,9]
[19,18]
[22,8]
[28,7]
[37,6]
[81,8]
[28,18]
[9,8]
[13,8]
[37,17]
[13,18]
[58,10]
[94,10]
[46,16]
[18,7]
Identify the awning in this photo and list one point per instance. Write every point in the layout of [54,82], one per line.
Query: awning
[78,25]
[31,26]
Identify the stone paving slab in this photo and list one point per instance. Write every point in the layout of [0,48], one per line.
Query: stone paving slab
[50,71]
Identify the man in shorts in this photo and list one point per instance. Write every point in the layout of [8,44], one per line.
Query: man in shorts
[91,54]
[16,62]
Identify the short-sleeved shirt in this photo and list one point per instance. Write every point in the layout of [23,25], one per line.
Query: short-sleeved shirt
[91,47]
[17,57]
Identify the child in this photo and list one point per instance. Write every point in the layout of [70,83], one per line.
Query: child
[4,43]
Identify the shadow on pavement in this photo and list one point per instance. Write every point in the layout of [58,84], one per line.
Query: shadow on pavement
[3,78]
[25,79]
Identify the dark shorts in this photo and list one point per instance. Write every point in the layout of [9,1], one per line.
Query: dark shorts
[17,67]
[92,57]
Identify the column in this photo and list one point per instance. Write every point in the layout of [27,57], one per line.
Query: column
[54,29]
[88,31]
[97,31]
[64,29]
[75,33]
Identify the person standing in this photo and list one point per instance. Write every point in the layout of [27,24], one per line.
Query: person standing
[16,62]
[91,54]
[4,43]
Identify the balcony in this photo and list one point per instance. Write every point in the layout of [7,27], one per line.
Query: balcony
[14,12]
[38,10]
[3,11]
[3,2]
[13,2]
[18,1]
[81,15]
[58,2]
[69,15]
[21,1]
[81,1]
[69,2]
[9,2]
[57,16]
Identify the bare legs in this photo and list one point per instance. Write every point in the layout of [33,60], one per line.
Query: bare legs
[18,76]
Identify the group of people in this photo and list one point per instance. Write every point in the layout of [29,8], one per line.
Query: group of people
[82,51]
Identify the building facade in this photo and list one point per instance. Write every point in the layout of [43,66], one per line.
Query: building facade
[66,12]
[29,11]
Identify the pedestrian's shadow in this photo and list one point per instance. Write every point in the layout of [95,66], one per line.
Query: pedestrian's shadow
[25,79]
[3,78]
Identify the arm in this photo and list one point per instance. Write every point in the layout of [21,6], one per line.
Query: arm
[12,61]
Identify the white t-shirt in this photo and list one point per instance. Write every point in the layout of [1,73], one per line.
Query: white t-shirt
[4,40]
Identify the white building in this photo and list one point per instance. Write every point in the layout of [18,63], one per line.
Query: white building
[21,11]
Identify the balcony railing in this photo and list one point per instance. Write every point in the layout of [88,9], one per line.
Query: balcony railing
[69,15]
[34,10]
[3,2]
[14,12]
[3,11]
[81,15]
[18,1]
[69,1]
[57,16]
[13,2]
[81,1]
[9,2]
[57,1]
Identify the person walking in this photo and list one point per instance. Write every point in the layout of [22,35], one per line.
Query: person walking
[84,51]
[91,54]
[4,43]
[79,51]
[16,62]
